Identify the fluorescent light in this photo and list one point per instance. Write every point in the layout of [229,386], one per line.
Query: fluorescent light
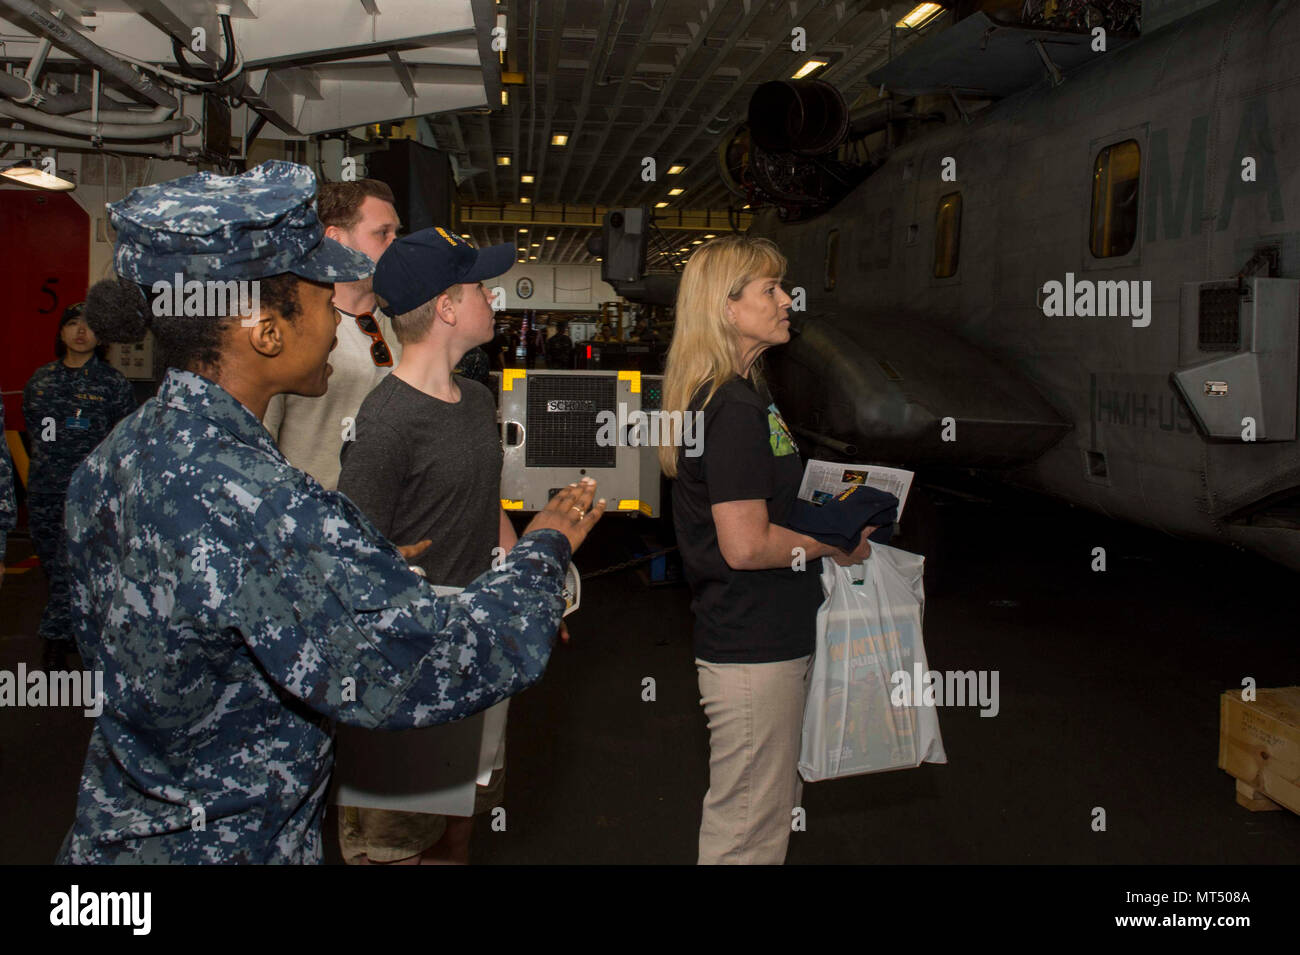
[537,245]
[532,258]
[522,231]
[697,242]
[524,199]
[560,139]
[661,205]
[674,170]
[675,192]
[505,98]
[503,160]
[921,14]
[710,236]
[23,171]
[813,65]
[550,238]
[526,178]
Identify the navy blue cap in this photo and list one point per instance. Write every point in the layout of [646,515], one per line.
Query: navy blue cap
[839,520]
[210,227]
[424,264]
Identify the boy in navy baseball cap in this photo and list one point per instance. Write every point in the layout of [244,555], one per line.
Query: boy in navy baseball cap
[426,460]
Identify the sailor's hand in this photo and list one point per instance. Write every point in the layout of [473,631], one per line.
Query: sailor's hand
[411,551]
[571,512]
[860,553]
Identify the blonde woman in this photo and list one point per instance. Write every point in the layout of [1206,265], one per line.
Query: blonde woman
[755,615]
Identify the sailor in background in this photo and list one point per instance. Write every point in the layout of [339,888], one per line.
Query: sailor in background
[69,405]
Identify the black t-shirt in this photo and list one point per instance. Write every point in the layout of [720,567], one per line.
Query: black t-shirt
[742,616]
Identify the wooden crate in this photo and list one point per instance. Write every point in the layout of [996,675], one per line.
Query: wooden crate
[1259,745]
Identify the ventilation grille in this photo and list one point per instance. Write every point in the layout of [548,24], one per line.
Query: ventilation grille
[562,424]
[1220,319]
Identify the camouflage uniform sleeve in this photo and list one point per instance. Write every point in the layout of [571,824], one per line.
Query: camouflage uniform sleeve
[8,503]
[338,620]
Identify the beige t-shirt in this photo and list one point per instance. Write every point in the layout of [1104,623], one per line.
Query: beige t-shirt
[310,431]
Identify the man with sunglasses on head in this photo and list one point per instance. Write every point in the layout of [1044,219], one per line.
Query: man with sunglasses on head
[310,431]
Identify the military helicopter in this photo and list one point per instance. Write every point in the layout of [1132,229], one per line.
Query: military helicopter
[1073,269]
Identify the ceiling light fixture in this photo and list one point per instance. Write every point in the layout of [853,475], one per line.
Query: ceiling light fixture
[812,66]
[560,139]
[661,205]
[524,199]
[25,171]
[675,170]
[675,192]
[526,178]
[921,14]
[503,160]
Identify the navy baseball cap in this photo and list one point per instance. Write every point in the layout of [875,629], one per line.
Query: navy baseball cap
[840,520]
[424,264]
[211,227]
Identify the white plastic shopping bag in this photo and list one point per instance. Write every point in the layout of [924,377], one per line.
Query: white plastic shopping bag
[868,630]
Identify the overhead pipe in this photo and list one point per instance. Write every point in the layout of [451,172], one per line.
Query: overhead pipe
[38,59]
[80,127]
[74,42]
[28,137]
[132,118]
[23,91]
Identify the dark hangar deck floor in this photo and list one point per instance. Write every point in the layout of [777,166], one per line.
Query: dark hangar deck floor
[1109,697]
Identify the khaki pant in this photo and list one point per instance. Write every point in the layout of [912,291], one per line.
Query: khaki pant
[755,713]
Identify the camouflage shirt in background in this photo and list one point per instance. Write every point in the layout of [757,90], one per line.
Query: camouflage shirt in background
[228,598]
[8,502]
[83,405]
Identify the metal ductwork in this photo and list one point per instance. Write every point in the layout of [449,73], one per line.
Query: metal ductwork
[72,41]
[78,127]
[31,138]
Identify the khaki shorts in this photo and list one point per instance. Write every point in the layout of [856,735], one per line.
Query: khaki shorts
[383,835]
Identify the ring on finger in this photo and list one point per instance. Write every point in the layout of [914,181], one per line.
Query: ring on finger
[581,512]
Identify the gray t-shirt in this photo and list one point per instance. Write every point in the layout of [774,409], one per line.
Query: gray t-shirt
[424,468]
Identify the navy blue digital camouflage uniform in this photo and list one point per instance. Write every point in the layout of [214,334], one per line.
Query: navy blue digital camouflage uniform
[8,502]
[75,409]
[236,607]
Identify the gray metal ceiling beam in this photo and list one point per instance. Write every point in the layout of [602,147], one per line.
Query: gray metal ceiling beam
[551,82]
[657,8]
[737,31]
[600,55]
[701,34]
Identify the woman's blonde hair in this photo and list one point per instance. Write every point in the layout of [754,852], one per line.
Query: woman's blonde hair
[705,347]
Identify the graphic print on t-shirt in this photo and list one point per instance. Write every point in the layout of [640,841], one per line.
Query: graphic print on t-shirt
[778,434]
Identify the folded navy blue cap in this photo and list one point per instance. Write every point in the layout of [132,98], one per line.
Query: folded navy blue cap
[424,264]
[839,521]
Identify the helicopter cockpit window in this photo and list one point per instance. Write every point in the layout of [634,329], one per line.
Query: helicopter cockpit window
[832,258]
[947,235]
[1115,199]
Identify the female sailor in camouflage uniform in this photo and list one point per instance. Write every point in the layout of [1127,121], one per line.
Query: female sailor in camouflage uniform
[69,405]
